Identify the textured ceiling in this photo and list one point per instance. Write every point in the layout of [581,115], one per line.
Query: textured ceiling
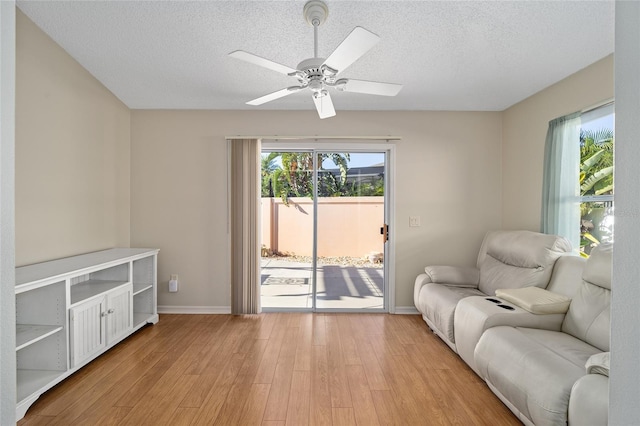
[450,55]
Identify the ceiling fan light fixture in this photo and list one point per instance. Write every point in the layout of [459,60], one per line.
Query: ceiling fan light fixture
[318,74]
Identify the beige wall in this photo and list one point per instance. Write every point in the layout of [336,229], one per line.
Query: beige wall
[524,131]
[448,171]
[72,154]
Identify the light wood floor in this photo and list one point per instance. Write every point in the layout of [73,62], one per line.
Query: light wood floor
[275,369]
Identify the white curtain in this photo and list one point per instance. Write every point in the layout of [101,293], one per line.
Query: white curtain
[244,206]
[561,183]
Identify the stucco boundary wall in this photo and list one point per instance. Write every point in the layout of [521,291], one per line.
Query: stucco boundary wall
[347,226]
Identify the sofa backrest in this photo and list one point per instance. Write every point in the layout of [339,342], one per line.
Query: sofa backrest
[514,259]
[566,278]
[589,315]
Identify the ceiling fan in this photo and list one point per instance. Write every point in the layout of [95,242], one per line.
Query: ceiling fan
[318,74]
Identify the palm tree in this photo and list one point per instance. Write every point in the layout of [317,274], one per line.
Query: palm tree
[596,162]
[596,178]
[269,169]
[295,177]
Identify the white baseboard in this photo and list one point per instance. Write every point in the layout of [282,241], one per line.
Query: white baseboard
[167,309]
[406,310]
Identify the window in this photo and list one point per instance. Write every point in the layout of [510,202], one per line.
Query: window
[577,198]
[596,177]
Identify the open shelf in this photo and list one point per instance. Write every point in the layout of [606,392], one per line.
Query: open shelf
[92,288]
[140,318]
[27,334]
[30,381]
[139,288]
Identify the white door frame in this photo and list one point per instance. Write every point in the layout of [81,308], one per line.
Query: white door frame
[364,145]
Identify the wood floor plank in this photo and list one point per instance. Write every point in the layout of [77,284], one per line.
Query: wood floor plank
[279,395]
[373,372]
[348,341]
[232,408]
[274,370]
[303,349]
[364,409]
[343,416]
[113,417]
[319,330]
[387,410]
[298,408]
[320,404]
[183,416]
[338,382]
[255,404]
[163,405]
[269,360]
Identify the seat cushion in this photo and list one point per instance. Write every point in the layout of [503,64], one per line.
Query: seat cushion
[438,304]
[533,369]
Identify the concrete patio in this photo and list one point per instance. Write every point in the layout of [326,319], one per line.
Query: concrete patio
[288,284]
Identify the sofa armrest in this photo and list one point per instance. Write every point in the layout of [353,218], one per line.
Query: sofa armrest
[458,276]
[589,401]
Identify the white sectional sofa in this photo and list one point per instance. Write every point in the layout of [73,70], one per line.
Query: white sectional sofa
[549,367]
[540,372]
[507,259]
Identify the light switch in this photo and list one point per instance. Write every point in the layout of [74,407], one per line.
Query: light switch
[414,221]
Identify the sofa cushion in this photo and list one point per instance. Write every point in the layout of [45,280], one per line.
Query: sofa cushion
[533,369]
[589,315]
[536,300]
[597,271]
[515,259]
[437,302]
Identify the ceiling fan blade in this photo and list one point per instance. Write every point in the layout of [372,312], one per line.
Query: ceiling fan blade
[275,95]
[259,60]
[357,43]
[371,87]
[324,105]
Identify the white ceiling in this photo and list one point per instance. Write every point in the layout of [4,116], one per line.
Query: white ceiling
[449,55]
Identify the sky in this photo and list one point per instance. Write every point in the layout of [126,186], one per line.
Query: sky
[357,159]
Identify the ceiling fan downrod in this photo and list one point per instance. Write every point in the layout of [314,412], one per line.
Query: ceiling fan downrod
[315,12]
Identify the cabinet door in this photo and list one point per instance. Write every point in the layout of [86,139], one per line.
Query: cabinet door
[119,313]
[87,330]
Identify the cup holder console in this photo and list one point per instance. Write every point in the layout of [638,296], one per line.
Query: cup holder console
[499,303]
[507,307]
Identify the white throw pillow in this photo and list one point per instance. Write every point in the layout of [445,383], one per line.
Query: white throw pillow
[598,364]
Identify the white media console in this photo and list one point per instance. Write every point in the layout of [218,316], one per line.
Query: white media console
[69,311]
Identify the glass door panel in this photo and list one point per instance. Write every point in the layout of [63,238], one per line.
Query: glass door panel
[287,230]
[350,213]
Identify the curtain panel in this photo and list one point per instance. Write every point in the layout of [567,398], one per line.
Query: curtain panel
[561,179]
[244,215]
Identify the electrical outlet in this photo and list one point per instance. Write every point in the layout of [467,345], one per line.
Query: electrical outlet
[414,221]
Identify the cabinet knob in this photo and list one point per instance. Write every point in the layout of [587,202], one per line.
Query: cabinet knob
[103,314]
[110,311]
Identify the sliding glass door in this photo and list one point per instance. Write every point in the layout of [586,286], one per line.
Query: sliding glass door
[324,236]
